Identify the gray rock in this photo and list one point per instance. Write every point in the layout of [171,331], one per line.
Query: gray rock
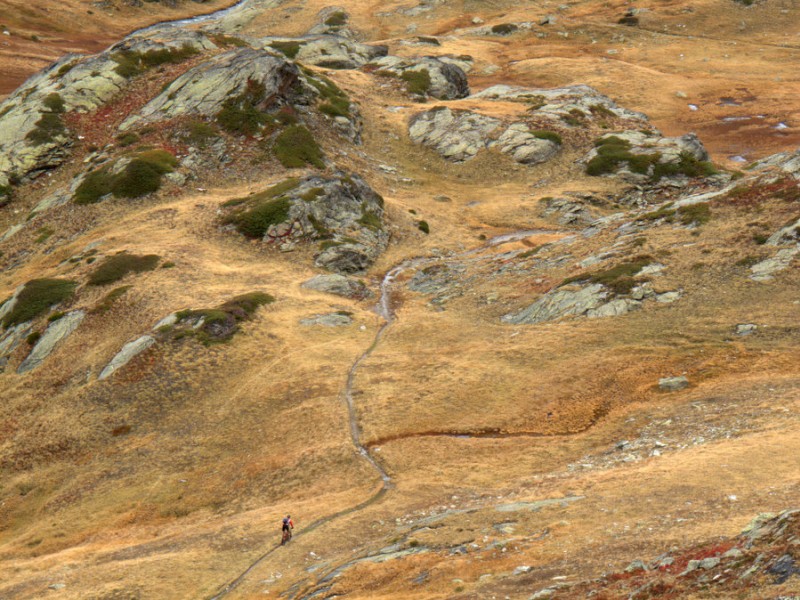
[124,356]
[669,297]
[614,308]
[337,319]
[559,303]
[338,285]
[203,90]
[330,51]
[167,321]
[56,333]
[766,269]
[636,565]
[786,235]
[7,306]
[522,569]
[10,339]
[673,384]
[744,329]
[524,147]
[448,80]
[457,135]
[570,211]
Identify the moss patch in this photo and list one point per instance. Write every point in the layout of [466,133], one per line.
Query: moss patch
[619,279]
[47,129]
[213,325]
[130,64]
[295,147]
[337,19]
[418,83]
[551,136]
[118,266]
[141,176]
[37,297]
[288,49]
[243,114]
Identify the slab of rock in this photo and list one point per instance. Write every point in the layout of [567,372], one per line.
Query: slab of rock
[766,269]
[744,329]
[124,356]
[338,285]
[615,308]
[673,384]
[448,80]
[786,235]
[458,135]
[204,89]
[558,102]
[560,303]
[329,320]
[55,333]
[329,51]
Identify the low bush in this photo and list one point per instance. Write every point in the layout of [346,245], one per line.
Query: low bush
[118,266]
[254,222]
[295,147]
[130,63]
[242,114]
[199,134]
[289,49]
[37,297]
[424,227]
[551,136]
[220,39]
[33,338]
[47,129]
[221,323]
[337,19]
[504,29]
[336,107]
[694,214]
[418,83]
[618,279]
[141,176]
[127,139]
[54,102]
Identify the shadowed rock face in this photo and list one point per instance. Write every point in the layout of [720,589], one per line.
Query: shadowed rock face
[204,89]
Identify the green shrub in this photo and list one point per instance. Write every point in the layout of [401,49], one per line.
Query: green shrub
[242,114]
[118,266]
[296,147]
[548,135]
[665,212]
[760,238]
[38,296]
[246,304]
[336,107]
[127,139]
[54,102]
[130,63]
[200,134]
[369,219]
[47,128]
[337,19]
[504,29]
[221,323]
[141,176]
[64,69]
[288,49]
[55,316]
[694,214]
[601,111]
[618,279]
[255,222]
[33,338]
[108,301]
[417,82]
[220,39]
[424,227]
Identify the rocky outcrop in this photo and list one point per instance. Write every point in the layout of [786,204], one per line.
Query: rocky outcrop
[561,102]
[448,81]
[766,269]
[329,51]
[123,357]
[204,90]
[339,285]
[786,235]
[342,212]
[458,135]
[673,384]
[33,136]
[56,333]
[560,303]
[10,340]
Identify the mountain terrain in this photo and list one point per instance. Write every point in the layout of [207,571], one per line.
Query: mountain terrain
[498,299]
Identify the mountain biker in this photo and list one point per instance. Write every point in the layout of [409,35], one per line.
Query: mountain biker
[286,528]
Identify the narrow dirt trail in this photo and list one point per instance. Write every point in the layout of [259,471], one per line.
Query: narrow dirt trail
[384,310]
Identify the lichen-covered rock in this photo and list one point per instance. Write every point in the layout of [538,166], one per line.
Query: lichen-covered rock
[204,89]
[458,135]
[342,212]
[128,352]
[56,333]
[766,269]
[524,147]
[448,81]
[329,51]
[338,285]
[561,102]
[560,303]
[786,235]
[33,136]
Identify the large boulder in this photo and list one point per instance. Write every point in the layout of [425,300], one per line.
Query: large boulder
[342,212]
[204,89]
[560,303]
[458,135]
[329,51]
[339,285]
[561,102]
[448,81]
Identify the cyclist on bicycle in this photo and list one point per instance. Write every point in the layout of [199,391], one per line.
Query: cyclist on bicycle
[286,528]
